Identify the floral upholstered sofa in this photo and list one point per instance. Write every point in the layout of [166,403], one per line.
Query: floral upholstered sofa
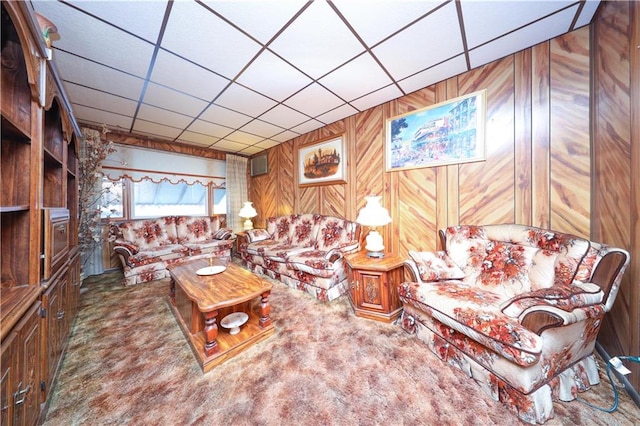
[145,247]
[304,252]
[517,308]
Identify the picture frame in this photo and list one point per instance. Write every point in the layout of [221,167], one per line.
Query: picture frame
[323,162]
[450,132]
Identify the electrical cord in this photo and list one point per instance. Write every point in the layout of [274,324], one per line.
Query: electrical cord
[614,407]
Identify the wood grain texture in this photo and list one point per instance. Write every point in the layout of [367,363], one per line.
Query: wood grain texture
[570,151]
[616,164]
[540,135]
[522,128]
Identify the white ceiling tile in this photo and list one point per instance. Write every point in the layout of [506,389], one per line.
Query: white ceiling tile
[337,114]
[378,97]
[195,33]
[260,76]
[375,20]
[261,19]
[285,136]
[317,42]
[86,73]
[211,129]
[227,145]
[356,78]
[422,45]
[526,37]
[162,116]
[143,18]
[109,46]
[238,98]
[313,100]
[175,72]
[250,150]
[440,72]
[306,127]
[156,129]
[267,143]
[483,23]
[112,120]
[100,100]
[284,116]
[162,97]
[218,114]
[243,137]
[586,14]
[197,138]
[261,128]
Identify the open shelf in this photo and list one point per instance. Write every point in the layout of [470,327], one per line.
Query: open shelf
[15,248]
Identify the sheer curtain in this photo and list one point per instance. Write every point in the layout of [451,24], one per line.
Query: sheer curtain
[236,190]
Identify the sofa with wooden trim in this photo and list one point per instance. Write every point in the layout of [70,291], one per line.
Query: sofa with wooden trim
[516,308]
[304,251]
[146,246]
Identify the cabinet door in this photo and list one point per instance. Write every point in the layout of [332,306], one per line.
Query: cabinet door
[372,291]
[26,384]
[8,371]
[51,303]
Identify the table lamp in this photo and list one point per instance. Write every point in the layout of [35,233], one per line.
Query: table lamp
[247,212]
[374,215]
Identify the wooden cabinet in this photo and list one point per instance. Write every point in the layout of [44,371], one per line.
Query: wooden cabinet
[40,268]
[373,286]
[21,370]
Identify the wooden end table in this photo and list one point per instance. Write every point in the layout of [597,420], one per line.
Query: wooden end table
[198,301]
[373,285]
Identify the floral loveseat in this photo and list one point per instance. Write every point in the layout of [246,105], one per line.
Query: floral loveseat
[304,252]
[517,308]
[145,247]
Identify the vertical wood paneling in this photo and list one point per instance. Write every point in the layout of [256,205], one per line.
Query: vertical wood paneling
[570,152]
[616,165]
[487,188]
[522,127]
[540,135]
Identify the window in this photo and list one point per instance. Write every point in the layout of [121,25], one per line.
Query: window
[219,201]
[152,199]
[111,205]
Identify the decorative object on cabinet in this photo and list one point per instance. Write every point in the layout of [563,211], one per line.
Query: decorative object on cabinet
[323,162]
[450,132]
[94,149]
[523,318]
[247,212]
[373,286]
[374,215]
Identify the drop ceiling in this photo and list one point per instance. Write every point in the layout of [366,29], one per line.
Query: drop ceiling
[244,76]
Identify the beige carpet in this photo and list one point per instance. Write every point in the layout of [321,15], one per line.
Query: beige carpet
[129,364]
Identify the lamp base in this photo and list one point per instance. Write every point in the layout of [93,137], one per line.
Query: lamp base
[376,254]
[248,225]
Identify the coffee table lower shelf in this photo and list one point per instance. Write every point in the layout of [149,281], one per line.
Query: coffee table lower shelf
[229,345]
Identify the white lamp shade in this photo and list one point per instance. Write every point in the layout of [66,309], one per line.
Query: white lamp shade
[247,210]
[373,214]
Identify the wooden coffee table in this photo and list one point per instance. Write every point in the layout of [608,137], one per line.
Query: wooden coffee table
[198,301]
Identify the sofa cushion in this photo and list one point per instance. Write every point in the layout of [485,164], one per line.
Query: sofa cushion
[150,233]
[333,232]
[436,266]
[193,229]
[280,228]
[305,230]
[475,312]
[158,254]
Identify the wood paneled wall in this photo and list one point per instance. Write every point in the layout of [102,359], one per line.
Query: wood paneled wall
[537,168]
[548,161]
[616,164]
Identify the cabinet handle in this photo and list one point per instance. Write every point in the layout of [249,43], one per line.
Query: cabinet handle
[357,285]
[22,393]
[60,315]
[61,229]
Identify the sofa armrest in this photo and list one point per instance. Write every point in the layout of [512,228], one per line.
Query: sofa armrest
[541,318]
[412,268]
[561,296]
[125,249]
[435,266]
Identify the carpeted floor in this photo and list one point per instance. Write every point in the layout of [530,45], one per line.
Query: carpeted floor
[129,364]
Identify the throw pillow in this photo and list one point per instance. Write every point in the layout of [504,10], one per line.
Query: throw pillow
[436,266]
[257,235]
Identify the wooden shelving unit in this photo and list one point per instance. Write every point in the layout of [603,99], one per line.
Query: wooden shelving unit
[39,259]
